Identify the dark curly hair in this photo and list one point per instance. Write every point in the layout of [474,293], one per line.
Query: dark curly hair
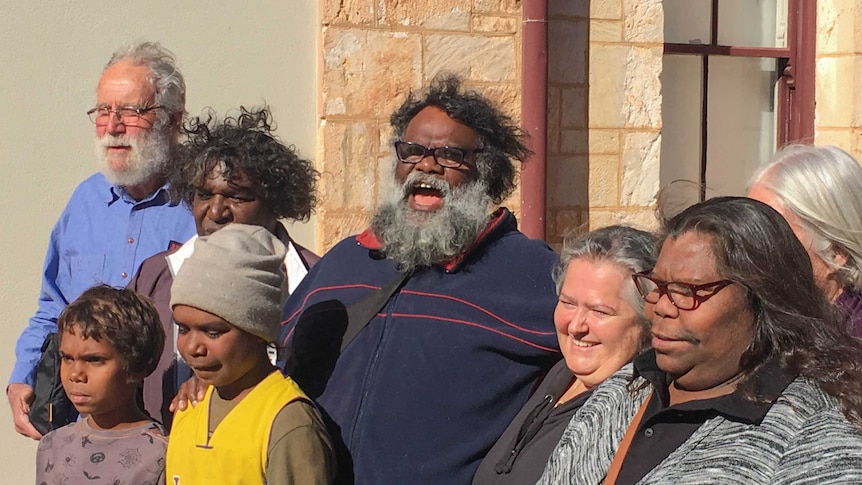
[126,320]
[502,140]
[285,183]
[754,246]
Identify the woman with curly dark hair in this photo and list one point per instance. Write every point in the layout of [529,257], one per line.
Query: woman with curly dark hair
[228,170]
[244,149]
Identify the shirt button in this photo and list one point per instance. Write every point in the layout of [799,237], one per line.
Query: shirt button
[124,275]
[648,433]
[131,240]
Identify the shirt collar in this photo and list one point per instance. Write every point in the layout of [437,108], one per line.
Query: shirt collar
[769,382]
[501,220]
[158,197]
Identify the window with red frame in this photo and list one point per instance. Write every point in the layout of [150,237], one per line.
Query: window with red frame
[737,83]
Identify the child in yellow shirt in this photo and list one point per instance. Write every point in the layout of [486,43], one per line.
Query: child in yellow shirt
[254,425]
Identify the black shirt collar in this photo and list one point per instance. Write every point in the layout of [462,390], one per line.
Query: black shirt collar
[769,382]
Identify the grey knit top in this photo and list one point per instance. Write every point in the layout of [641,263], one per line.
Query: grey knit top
[803,439]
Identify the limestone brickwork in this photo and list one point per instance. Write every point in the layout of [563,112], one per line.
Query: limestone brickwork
[376,51]
[838,84]
[604,99]
[604,113]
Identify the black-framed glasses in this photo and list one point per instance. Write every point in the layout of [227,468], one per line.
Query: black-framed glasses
[450,157]
[684,296]
[127,115]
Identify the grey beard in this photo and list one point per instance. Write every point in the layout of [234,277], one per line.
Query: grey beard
[149,157]
[414,239]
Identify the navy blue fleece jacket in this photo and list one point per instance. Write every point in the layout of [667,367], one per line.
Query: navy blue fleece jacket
[427,387]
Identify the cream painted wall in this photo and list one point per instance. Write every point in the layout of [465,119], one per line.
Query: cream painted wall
[51,55]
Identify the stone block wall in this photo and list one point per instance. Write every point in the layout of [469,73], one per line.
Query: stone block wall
[604,113]
[838,85]
[604,99]
[374,52]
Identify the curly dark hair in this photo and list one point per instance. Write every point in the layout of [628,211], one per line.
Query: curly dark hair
[126,320]
[502,140]
[754,246]
[286,184]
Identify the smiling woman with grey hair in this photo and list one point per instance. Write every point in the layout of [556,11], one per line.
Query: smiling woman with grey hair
[601,325]
[818,190]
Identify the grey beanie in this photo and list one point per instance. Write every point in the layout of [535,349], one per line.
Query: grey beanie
[236,274]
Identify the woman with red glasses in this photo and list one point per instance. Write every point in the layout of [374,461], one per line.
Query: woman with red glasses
[750,378]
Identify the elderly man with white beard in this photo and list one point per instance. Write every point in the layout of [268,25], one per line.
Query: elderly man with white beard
[116,218]
[429,383]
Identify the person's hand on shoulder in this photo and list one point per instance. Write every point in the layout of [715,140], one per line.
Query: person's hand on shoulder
[191,391]
[20,397]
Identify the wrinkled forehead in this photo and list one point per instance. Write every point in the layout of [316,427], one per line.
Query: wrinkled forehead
[125,83]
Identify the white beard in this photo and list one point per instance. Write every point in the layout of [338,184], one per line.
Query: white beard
[148,156]
[415,239]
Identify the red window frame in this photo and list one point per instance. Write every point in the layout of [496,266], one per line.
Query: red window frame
[795,85]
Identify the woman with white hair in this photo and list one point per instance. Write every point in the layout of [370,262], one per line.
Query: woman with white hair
[818,190]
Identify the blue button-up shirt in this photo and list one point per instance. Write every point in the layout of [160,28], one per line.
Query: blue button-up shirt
[102,236]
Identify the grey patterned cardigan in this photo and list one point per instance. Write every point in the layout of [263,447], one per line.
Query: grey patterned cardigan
[803,439]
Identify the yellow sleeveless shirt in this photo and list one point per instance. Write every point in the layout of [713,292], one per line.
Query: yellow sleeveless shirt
[236,452]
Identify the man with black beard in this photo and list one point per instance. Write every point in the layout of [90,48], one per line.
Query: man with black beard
[426,387]
[119,217]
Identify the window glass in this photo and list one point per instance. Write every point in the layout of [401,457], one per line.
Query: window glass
[681,120]
[752,23]
[741,123]
[740,120]
[687,21]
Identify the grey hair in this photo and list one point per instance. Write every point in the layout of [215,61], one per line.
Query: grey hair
[822,186]
[168,82]
[627,247]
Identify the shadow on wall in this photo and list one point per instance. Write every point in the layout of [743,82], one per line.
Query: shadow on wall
[568,150]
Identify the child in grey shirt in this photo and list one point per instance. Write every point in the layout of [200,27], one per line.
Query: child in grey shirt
[110,339]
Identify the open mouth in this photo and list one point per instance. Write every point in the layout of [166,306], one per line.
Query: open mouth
[425,196]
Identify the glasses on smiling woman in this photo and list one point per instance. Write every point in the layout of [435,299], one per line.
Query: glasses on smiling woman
[684,296]
[450,157]
[127,115]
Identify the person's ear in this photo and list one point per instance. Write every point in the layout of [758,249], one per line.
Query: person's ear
[839,256]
